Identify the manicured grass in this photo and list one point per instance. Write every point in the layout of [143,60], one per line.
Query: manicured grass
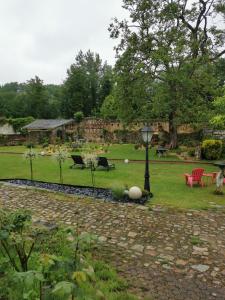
[167,180]
[115,151]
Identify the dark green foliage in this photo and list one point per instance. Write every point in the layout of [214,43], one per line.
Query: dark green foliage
[18,123]
[33,98]
[109,109]
[220,71]
[165,67]
[191,152]
[37,98]
[88,83]
[15,245]
[190,139]
[78,116]
[218,120]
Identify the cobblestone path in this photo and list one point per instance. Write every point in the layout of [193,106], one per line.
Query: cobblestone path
[164,254]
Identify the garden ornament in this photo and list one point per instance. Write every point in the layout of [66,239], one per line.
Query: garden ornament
[135,193]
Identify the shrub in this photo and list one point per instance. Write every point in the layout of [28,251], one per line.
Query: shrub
[30,145]
[78,116]
[118,193]
[191,152]
[18,123]
[39,263]
[212,149]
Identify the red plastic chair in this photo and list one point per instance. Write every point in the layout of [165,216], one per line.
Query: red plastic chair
[195,177]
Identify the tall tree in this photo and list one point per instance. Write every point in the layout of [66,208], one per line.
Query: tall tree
[86,84]
[174,44]
[37,103]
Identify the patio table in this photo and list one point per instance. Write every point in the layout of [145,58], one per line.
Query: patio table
[211,175]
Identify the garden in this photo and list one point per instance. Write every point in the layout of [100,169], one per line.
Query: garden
[166,173]
[112,167]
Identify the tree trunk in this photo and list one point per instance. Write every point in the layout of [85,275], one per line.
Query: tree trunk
[172,131]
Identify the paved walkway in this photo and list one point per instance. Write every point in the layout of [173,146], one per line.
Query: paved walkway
[163,254]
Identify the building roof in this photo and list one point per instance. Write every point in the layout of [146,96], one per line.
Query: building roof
[44,124]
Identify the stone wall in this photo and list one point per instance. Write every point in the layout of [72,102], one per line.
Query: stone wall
[7,129]
[99,130]
[217,134]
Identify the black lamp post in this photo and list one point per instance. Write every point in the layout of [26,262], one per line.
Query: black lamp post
[147,134]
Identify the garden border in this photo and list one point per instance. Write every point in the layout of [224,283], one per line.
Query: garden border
[70,189]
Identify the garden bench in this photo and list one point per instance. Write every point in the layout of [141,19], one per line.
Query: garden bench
[102,162]
[78,162]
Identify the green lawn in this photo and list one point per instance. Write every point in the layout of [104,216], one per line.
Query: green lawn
[167,180]
[118,151]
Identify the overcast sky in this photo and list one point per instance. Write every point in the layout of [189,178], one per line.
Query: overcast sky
[42,37]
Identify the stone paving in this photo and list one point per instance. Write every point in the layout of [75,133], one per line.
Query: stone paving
[164,254]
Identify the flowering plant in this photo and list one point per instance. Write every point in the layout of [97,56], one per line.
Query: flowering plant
[90,159]
[60,155]
[30,155]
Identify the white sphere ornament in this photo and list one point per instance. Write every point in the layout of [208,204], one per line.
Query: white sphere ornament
[126,161]
[135,193]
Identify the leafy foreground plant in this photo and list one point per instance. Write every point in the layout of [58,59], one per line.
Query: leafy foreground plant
[39,263]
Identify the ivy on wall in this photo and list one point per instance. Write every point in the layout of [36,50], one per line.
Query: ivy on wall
[16,123]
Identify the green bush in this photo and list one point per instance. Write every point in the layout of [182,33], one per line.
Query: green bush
[18,123]
[118,192]
[39,263]
[78,116]
[212,149]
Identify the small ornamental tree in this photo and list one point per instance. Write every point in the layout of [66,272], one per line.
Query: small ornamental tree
[60,155]
[31,155]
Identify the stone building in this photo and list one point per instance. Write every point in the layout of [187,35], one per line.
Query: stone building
[41,130]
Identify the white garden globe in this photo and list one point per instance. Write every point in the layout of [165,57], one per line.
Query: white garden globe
[135,193]
[126,161]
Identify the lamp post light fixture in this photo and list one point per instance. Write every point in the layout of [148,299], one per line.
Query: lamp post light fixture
[147,134]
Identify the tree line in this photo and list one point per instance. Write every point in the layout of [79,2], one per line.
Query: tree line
[170,65]
[88,82]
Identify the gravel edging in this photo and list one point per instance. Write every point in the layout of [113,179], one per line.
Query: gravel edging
[84,191]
